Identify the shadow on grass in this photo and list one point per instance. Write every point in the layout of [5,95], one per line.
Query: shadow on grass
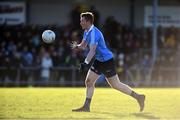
[138,115]
[145,116]
[116,115]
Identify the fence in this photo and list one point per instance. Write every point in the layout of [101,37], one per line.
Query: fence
[31,76]
[69,76]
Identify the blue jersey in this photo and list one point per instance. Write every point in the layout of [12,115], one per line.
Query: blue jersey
[94,37]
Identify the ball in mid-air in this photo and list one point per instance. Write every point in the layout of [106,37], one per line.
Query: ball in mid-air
[48,36]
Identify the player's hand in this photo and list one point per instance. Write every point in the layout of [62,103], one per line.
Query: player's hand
[74,45]
[83,66]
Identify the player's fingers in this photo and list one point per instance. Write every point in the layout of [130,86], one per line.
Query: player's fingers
[71,45]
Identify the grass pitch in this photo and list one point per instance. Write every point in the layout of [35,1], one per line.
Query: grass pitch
[107,103]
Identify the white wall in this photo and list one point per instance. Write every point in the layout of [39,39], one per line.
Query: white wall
[47,13]
[139,8]
[57,11]
[117,8]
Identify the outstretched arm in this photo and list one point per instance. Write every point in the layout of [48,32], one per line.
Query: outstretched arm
[89,57]
[75,45]
[91,54]
[83,45]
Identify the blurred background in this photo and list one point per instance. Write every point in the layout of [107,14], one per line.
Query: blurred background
[144,36]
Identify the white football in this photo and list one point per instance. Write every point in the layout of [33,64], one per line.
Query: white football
[48,36]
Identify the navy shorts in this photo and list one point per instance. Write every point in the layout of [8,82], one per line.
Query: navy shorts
[107,67]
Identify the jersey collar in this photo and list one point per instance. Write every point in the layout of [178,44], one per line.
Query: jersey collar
[90,28]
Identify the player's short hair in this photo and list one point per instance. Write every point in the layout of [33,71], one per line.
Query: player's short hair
[88,16]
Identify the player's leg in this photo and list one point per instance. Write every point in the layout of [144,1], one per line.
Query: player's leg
[90,82]
[115,83]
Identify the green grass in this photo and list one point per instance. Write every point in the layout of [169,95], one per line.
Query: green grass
[56,103]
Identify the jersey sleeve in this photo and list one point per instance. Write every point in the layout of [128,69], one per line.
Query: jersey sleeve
[94,38]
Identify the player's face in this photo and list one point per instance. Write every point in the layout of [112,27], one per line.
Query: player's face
[83,23]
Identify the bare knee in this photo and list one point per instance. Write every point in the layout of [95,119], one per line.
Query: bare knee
[115,83]
[89,83]
[114,86]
